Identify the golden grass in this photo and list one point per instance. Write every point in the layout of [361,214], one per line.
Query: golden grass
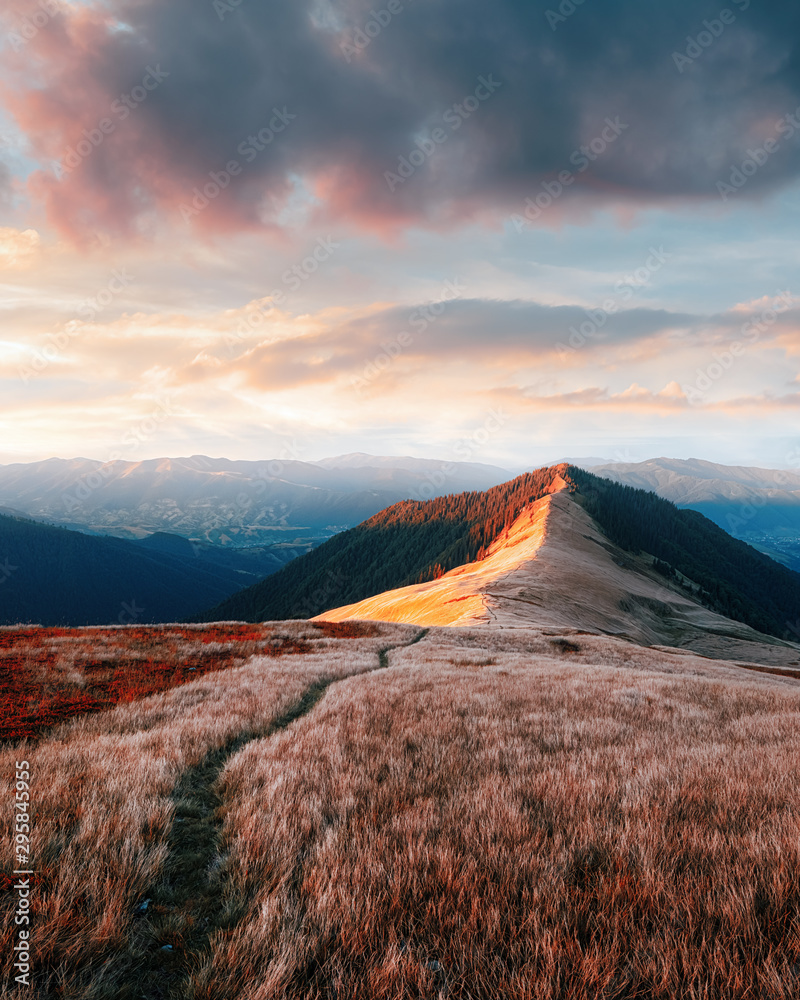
[499,814]
[515,826]
[102,791]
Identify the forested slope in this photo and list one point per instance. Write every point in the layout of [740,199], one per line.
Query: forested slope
[52,576]
[409,542]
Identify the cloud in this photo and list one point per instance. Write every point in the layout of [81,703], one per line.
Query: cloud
[670,400]
[336,110]
[383,344]
[18,248]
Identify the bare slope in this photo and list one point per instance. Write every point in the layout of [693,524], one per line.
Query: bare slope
[554,568]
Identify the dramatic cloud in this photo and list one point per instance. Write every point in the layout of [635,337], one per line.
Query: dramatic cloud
[387,345]
[229,115]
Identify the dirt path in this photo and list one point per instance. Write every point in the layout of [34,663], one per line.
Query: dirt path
[189,903]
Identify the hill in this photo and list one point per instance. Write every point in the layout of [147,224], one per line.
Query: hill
[406,543]
[52,576]
[415,542]
[761,506]
[311,810]
[555,569]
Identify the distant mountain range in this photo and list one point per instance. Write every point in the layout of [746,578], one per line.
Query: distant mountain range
[413,542]
[226,502]
[761,506]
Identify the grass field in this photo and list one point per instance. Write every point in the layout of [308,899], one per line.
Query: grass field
[380,812]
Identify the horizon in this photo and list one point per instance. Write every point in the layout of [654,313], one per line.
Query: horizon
[514,469]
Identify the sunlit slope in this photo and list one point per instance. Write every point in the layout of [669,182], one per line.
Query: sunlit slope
[460,597]
[554,568]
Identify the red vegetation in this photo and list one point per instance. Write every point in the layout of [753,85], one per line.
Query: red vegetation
[48,675]
[348,630]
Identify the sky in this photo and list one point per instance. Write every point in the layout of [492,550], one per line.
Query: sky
[503,232]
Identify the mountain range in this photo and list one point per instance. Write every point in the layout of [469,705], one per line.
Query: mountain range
[224,502]
[273,560]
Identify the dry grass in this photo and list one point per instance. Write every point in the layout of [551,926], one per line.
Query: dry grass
[103,788]
[507,815]
[519,827]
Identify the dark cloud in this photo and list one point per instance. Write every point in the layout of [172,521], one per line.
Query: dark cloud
[493,333]
[360,107]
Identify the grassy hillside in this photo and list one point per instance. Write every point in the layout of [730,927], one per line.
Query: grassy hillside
[415,541]
[389,813]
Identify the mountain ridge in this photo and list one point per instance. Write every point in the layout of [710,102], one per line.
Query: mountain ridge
[553,569]
[413,542]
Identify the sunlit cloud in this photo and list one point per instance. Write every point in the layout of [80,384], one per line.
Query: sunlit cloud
[18,249]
